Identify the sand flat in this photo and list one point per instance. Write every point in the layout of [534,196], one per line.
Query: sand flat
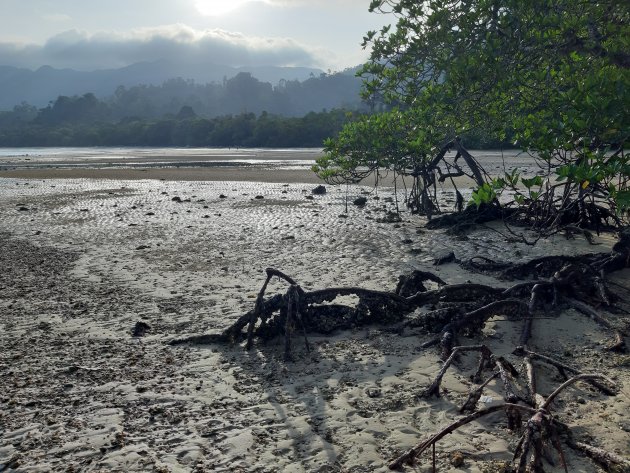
[85,259]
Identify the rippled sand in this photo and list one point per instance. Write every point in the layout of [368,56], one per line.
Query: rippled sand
[84,260]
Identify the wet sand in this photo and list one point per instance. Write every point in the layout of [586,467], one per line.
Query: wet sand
[85,259]
[240,173]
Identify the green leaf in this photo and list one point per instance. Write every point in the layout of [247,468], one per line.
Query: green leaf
[622,199]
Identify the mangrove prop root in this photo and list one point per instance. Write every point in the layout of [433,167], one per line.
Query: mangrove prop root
[532,447]
[503,369]
[434,387]
[576,282]
[408,458]
[475,394]
[593,265]
[562,368]
[610,461]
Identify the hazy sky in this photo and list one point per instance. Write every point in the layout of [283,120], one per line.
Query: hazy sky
[89,34]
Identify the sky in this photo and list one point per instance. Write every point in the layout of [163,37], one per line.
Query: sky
[94,34]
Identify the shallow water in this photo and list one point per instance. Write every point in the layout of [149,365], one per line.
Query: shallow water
[129,158]
[124,157]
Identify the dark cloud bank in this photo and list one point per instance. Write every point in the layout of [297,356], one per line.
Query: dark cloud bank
[75,63]
[80,51]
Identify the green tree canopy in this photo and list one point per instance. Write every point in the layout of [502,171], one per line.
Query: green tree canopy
[510,65]
[552,74]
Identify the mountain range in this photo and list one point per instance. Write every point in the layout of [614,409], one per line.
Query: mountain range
[45,84]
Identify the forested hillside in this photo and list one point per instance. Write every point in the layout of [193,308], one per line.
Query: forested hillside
[241,111]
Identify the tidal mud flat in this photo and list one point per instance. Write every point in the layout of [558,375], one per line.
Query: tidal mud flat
[83,261]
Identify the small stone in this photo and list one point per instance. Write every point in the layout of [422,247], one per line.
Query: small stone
[141,329]
[457,459]
[319,190]
[259,197]
[176,199]
[309,197]
[360,201]
[390,217]
[222,196]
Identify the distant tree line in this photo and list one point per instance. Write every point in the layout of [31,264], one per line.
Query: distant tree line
[184,129]
[28,127]
[180,113]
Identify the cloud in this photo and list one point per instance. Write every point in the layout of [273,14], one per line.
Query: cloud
[83,51]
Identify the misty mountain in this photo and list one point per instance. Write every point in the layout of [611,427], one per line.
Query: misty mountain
[45,84]
[243,93]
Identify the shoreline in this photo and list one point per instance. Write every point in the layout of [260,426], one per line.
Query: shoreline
[170,174]
[264,165]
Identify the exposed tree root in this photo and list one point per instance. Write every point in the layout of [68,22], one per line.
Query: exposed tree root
[608,460]
[594,264]
[541,432]
[558,282]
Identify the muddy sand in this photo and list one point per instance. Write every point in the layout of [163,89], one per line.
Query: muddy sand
[84,260]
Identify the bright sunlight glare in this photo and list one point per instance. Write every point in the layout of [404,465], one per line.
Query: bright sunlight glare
[218,7]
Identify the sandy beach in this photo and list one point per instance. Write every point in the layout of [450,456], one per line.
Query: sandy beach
[87,253]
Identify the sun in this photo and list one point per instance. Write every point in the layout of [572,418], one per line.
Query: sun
[218,7]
